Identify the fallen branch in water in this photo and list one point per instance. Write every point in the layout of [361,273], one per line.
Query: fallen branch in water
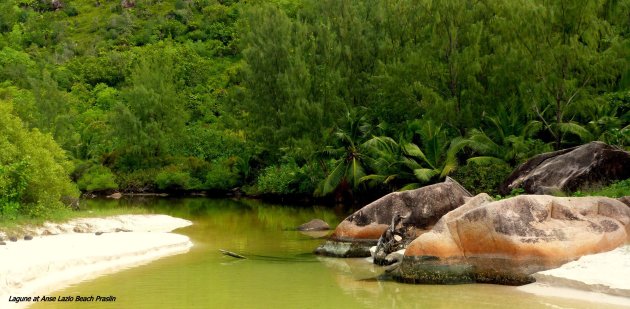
[232,254]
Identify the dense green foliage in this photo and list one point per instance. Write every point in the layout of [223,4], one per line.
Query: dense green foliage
[33,169]
[96,178]
[401,93]
[479,178]
[308,97]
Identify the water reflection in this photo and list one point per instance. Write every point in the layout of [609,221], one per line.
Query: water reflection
[367,283]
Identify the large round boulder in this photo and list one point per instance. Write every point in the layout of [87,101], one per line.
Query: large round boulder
[422,208]
[508,240]
[568,170]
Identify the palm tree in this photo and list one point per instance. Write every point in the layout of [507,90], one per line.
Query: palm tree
[406,165]
[387,159]
[610,120]
[505,140]
[439,157]
[349,155]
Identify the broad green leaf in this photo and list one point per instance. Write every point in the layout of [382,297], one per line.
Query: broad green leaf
[334,178]
[356,172]
[410,186]
[577,129]
[485,160]
[414,151]
[425,174]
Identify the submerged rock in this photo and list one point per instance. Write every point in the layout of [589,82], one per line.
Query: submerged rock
[568,170]
[315,234]
[423,207]
[506,241]
[115,195]
[314,225]
[28,237]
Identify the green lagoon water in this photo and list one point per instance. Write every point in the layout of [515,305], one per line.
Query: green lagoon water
[281,271]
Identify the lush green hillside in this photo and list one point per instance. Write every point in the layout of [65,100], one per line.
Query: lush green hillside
[310,97]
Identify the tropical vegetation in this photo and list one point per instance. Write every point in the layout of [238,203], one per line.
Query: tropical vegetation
[327,98]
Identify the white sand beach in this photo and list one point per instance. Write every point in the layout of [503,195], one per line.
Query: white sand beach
[48,263]
[602,277]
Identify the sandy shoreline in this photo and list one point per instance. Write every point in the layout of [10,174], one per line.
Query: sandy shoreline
[48,263]
[602,278]
[74,254]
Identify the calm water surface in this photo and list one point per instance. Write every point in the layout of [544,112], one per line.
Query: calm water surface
[280,273]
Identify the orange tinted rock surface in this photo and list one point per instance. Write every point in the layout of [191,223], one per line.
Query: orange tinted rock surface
[527,232]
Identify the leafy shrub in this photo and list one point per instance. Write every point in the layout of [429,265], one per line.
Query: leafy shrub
[16,65]
[174,178]
[34,170]
[138,181]
[308,177]
[106,97]
[277,179]
[198,168]
[478,178]
[616,189]
[289,178]
[97,178]
[10,210]
[223,175]
[13,181]
[71,10]
[210,143]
